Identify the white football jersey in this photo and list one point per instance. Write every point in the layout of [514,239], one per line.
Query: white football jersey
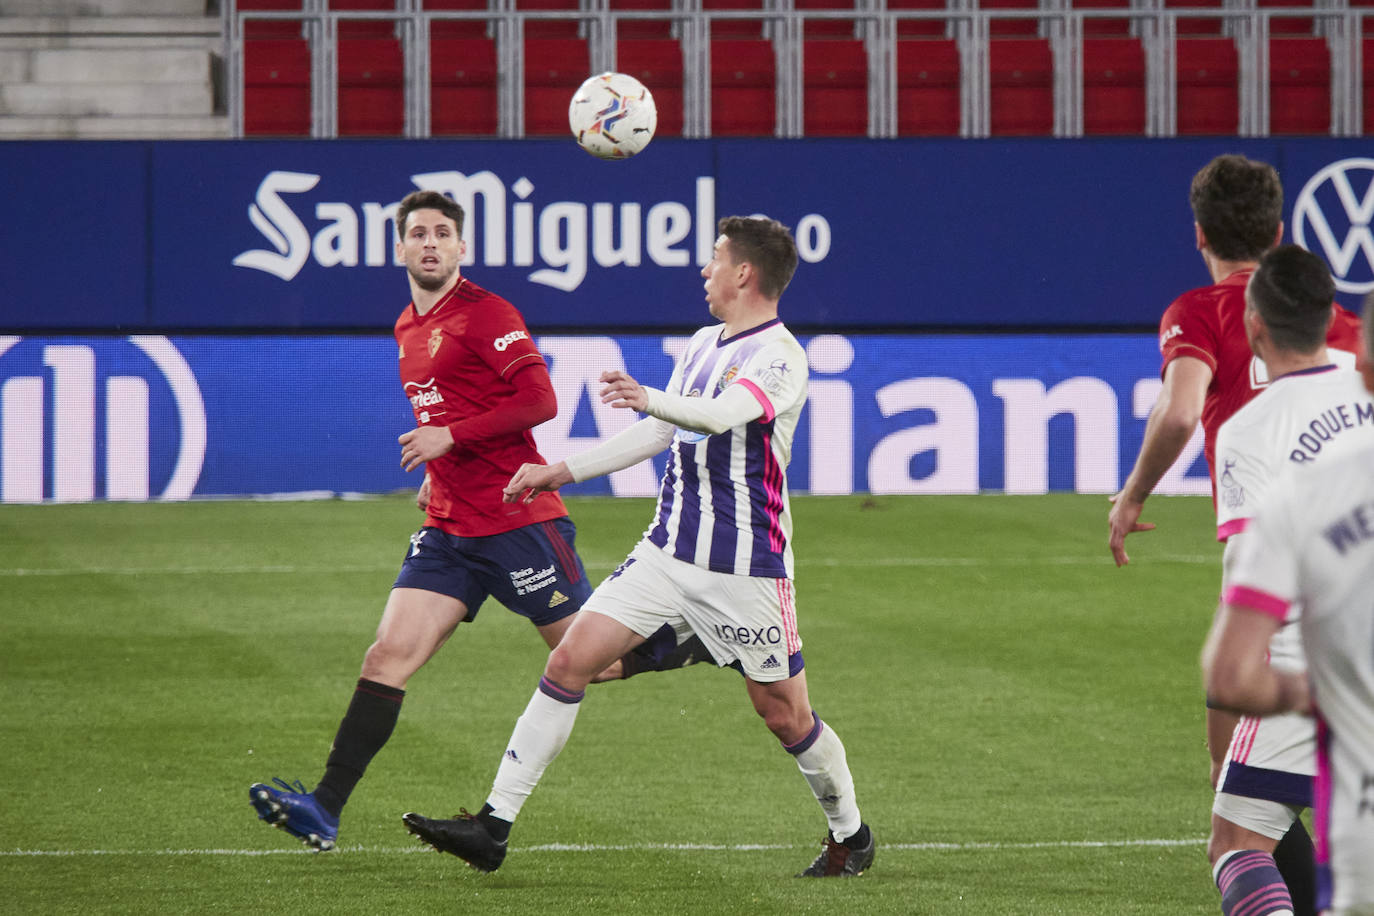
[1313,540]
[723,502]
[1303,420]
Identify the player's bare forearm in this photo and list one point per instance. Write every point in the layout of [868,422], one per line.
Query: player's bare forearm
[532,479]
[1221,725]
[1165,438]
[424,443]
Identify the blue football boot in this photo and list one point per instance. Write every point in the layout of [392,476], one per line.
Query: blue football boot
[296,811]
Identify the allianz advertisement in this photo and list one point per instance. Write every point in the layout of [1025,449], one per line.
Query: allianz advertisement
[979,315]
[154,417]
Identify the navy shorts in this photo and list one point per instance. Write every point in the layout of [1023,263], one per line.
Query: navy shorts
[535,570]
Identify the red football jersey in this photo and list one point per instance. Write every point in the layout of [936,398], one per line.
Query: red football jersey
[1207,324]
[457,361]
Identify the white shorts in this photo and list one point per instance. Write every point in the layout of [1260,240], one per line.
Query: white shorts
[747,622]
[1266,780]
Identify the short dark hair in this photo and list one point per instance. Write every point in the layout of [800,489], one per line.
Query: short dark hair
[766,244]
[428,200]
[1293,292]
[1238,202]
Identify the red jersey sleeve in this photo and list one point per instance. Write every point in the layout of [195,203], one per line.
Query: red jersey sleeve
[1189,329]
[1344,334]
[499,338]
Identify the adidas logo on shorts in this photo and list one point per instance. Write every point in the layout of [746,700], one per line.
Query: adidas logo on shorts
[557,599]
[771,662]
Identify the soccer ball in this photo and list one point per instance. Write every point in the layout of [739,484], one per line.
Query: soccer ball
[612,115]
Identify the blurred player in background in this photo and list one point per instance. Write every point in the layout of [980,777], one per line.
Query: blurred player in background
[1209,372]
[716,560]
[478,386]
[1312,414]
[1311,542]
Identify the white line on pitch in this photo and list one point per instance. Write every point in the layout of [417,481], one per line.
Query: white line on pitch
[916,561]
[597,847]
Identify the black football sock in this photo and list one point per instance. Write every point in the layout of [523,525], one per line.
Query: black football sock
[860,839]
[499,829]
[1297,863]
[366,726]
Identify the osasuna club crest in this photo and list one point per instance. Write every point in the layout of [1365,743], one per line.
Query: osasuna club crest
[436,337]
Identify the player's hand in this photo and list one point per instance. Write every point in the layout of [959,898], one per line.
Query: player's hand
[422,498]
[532,479]
[424,443]
[1121,521]
[620,390]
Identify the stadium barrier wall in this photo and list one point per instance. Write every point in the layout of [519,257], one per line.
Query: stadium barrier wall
[152,417]
[894,234]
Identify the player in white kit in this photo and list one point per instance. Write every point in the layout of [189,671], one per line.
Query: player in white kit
[1305,545]
[1312,413]
[716,560]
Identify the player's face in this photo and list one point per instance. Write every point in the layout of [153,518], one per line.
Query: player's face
[720,274]
[431,249]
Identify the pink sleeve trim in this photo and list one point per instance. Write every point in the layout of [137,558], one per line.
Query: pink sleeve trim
[1234,526]
[1255,600]
[762,398]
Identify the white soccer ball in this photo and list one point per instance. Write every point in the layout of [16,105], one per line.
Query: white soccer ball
[612,115]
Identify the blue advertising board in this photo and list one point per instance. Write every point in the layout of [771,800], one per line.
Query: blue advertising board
[893,234]
[152,417]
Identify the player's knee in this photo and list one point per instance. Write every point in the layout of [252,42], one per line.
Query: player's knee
[388,663]
[568,669]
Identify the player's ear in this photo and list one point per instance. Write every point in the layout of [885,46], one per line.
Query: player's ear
[1278,236]
[1199,239]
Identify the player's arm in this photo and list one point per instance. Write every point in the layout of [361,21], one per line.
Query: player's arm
[737,405]
[531,402]
[626,448]
[1170,426]
[1235,663]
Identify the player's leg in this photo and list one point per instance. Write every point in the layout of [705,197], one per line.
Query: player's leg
[785,707]
[414,625]
[1297,863]
[1263,785]
[590,644]
[434,591]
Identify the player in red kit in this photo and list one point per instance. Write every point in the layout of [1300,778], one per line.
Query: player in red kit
[1210,372]
[478,386]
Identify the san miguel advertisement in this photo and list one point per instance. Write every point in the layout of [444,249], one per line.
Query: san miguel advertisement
[893,234]
[193,319]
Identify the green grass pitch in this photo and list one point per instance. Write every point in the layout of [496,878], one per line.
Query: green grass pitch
[1023,720]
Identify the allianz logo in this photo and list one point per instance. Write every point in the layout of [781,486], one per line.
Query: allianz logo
[73,430]
[561,238]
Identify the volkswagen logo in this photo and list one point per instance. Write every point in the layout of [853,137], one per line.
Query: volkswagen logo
[1332,218]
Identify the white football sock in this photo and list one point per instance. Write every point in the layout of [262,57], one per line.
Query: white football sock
[824,766]
[540,733]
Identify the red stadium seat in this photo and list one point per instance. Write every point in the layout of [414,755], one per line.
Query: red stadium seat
[734,28]
[463,84]
[551,28]
[1208,100]
[276,83]
[1021,84]
[921,28]
[928,88]
[1113,86]
[1096,27]
[1368,82]
[743,82]
[826,28]
[1012,28]
[458,28]
[554,68]
[643,28]
[1289,25]
[657,63]
[371,87]
[1299,86]
[835,81]
[1192,25]
[270,28]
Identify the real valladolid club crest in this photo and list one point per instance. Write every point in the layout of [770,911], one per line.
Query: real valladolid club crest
[436,337]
